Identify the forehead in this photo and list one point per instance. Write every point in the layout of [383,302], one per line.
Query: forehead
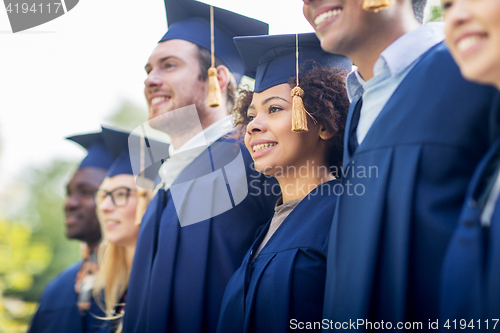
[178,48]
[90,176]
[110,183]
[281,90]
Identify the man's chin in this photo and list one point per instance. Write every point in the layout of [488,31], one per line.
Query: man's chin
[70,234]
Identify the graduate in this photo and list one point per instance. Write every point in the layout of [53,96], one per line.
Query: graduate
[211,201]
[119,200]
[415,133]
[294,130]
[470,288]
[67,304]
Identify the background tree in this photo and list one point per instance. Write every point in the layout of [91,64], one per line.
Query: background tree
[35,250]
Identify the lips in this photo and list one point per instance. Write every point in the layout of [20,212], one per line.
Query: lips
[72,219]
[322,17]
[157,100]
[260,147]
[468,42]
[109,224]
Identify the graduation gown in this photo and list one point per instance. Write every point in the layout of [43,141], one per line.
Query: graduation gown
[58,311]
[286,280]
[411,172]
[179,273]
[471,269]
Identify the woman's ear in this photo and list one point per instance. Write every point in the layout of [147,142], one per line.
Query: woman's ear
[324,133]
[223,75]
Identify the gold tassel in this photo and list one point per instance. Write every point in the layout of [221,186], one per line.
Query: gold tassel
[376,5]
[214,93]
[143,199]
[299,118]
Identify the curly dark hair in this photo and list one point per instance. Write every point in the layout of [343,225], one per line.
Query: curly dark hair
[325,98]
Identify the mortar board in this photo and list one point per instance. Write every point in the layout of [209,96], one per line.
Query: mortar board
[271,60]
[190,20]
[126,149]
[98,155]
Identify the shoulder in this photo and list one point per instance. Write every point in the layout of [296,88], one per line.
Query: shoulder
[66,277]
[61,290]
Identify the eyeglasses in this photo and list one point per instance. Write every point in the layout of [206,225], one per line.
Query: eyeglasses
[119,196]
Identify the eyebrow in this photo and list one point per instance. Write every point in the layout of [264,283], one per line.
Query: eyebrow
[251,106]
[160,61]
[274,97]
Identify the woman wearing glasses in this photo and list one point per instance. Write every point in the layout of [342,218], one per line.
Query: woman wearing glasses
[117,204]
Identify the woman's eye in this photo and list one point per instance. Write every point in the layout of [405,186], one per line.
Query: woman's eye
[274,109]
[250,118]
[121,194]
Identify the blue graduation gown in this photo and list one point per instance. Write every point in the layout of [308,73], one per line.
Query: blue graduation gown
[58,311]
[287,278]
[179,273]
[471,269]
[387,244]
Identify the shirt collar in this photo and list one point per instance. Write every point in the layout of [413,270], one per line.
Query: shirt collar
[208,136]
[398,56]
[405,50]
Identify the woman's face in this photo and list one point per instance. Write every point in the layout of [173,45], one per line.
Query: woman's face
[275,149]
[118,222]
[473,36]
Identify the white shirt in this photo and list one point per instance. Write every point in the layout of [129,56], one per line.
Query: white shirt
[394,63]
[185,155]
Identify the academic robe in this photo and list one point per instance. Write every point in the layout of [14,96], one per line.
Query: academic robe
[407,180]
[471,270]
[286,281]
[179,273]
[58,311]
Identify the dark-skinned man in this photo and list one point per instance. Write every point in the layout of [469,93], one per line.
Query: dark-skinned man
[67,304]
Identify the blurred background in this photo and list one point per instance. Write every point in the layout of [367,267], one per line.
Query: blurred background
[67,77]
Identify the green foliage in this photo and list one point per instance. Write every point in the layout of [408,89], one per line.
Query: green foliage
[20,258]
[127,116]
[43,190]
[33,252]
[437,14]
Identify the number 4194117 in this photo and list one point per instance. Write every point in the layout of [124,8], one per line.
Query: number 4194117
[40,8]
[463,324]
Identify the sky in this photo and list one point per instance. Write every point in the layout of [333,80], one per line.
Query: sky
[66,76]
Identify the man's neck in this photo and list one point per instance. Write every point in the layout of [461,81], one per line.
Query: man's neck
[179,139]
[86,250]
[366,56]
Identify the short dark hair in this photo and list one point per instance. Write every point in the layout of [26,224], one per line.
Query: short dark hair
[418,9]
[325,98]
[205,61]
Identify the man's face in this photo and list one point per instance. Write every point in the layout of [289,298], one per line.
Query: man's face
[81,220]
[173,82]
[342,26]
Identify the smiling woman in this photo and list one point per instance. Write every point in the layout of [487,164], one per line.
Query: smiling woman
[473,36]
[471,267]
[117,204]
[282,277]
